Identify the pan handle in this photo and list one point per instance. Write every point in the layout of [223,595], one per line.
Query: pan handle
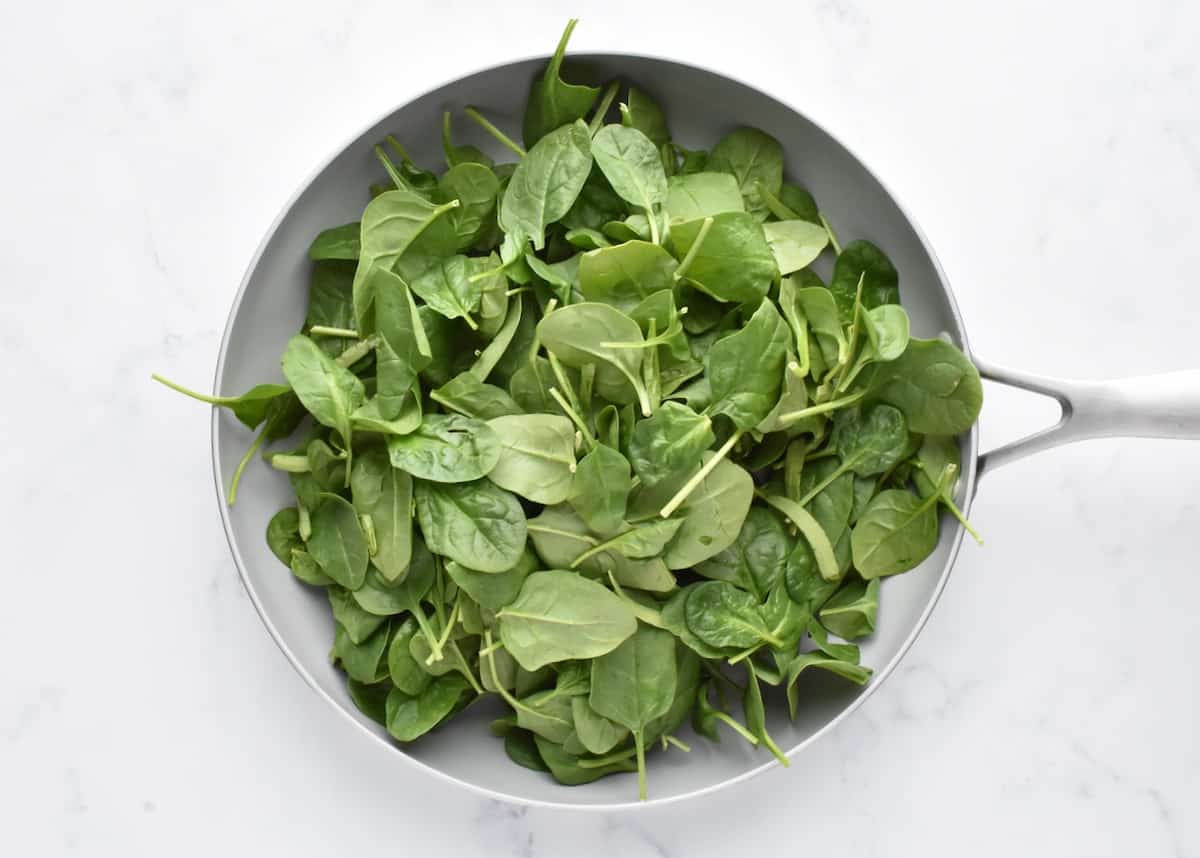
[1149,406]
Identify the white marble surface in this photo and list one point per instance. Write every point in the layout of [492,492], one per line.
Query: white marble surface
[1052,154]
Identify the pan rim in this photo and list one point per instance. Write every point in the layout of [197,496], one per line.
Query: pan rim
[966,488]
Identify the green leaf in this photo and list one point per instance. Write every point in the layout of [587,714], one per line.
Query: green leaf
[475,187]
[365,662]
[577,336]
[669,442]
[467,395]
[850,613]
[337,542]
[546,183]
[598,734]
[734,263]
[493,590]
[445,286]
[537,456]
[447,449]
[561,615]
[695,196]
[897,531]
[410,717]
[757,558]
[390,224]
[750,156]
[713,516]
[625,274]
[632,165]
[744,369]
[552,101]
[384,494]
[861,259]
[476,524]
[330,392]
[643,113]
[936,387]
[600,489]
[795,243]
[406,673]
[339,242]
[812,531]
[723,616]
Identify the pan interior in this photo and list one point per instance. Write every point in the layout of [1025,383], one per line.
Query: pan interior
[701,106]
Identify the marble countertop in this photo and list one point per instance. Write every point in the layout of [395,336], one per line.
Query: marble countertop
[1052,155]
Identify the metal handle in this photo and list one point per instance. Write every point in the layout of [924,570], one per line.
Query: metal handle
[1150,406]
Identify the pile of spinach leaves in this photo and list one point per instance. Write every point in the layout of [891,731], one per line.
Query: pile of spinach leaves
[587,432]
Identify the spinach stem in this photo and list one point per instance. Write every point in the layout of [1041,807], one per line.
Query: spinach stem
[606,101]
[833,242]
[786,420]
[426,630]
[682,269]
[683,746]
[368,529]
[237,472]
[292,463]
[699,477]
[639,744]
[398,180]
[607,759]
[324,331]
[203,397]
[502,138]
[825,483]
[575,418]
[947,501]
[444,637]
[357,351]
[744,654]
[732,722]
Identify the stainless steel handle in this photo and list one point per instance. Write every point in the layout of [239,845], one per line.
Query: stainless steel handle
[1150,406]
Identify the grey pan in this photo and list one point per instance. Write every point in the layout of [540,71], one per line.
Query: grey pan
[701,106]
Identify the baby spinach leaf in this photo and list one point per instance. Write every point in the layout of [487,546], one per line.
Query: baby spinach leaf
[850,613]
[897,531]
[580,334]
[750,156]
[337,542]
[935,386]
[331,302]
[756,716]
[283,534]
[561,615]
[552,101]
[632,165]
[795,243]
[757,558]
[723,616]
[406,673]
[475,187]
[410,717]
[855,673]
[820,310]
[477,524]
[744,369]
[390,223]
[367,417]
[597,734]
[371,700]
[695,196]
[880,282]
[634,684]
[600,488]
[537,456]
[625,274]
[493,590]
[640,111]
[445,286]
[567,769]
[713,516]
[546,182]
[367,661]
[447,449]
[467,395]
[637,542]
[669,442]
[339,242]
[734,261]
[384,494]
[330,392]
[359,623]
